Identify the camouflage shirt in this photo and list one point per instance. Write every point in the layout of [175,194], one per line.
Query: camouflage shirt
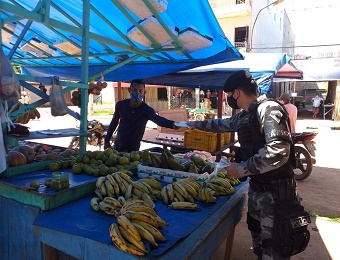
[276,150]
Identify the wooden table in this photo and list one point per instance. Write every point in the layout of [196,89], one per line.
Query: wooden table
[202,243]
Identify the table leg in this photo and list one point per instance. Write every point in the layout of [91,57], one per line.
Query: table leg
[50,252]
[229,245]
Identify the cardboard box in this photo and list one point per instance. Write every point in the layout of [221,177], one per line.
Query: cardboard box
[155,30]
[177,115]
[168,175]
[141,10]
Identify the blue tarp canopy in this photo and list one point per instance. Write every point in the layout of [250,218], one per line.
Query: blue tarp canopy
[122,39]
[262,66]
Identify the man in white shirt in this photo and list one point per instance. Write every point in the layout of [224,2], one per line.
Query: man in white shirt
[316,104]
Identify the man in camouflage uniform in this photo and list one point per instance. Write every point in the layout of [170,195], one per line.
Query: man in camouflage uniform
[264,154]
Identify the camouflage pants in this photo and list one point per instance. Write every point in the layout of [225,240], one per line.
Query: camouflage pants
[261,208]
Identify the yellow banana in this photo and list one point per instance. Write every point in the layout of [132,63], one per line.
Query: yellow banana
[146,197]
[137,192]
[95,203]
[170,192]
[209,197]
[154,231]
[121,200]
[180,189]
[145,234]
[127,236]
[113,202]
[127,225]
[119,181]
[142,216]
[109,189]
[125,176]
[106,207]
[191,182]
[117,238]
[185,206]
[161,222]
[164,195]
[139,208]
[150,190]
[134,202]
[178,196]
[153,183]
[103,189]
[98,193]
[115,186]
[190,189]
[128,192]
[100,181]
[139,186]
[157,194]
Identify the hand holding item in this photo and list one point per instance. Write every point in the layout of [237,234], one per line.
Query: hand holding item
[191,124]
[232,170]
[178,125]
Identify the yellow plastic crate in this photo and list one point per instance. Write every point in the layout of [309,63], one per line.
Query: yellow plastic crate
[204,141]
[200,140]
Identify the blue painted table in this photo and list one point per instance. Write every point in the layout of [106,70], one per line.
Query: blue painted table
[75,230]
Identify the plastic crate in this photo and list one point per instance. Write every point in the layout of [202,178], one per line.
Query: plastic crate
[204,141]
[200,140]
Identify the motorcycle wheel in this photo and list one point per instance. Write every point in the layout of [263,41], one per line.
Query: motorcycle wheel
[304,163]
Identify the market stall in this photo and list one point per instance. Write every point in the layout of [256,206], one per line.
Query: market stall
[74,47]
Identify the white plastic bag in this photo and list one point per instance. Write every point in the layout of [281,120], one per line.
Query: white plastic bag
[9,82]
[57,100]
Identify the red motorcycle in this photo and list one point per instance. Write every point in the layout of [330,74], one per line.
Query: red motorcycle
[304,147]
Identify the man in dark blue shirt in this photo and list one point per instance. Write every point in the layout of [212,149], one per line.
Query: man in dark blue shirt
[132,115]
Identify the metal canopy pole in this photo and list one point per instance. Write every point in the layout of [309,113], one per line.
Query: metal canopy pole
[84,72]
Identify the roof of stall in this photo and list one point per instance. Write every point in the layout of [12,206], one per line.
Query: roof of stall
[122,39]
[262,66]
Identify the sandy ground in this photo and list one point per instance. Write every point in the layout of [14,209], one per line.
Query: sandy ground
[320,192]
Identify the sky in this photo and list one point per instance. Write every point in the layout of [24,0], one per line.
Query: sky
[315,23]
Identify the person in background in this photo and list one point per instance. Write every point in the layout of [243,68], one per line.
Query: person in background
[291,109]
[265,156]
[132,115]
[316,104]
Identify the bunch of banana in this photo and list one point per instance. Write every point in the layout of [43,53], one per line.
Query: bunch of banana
[221,186]
[150,187]
[233,181]
[137,222]
[109,205]
[181,191]
[113,185]
[207,195]
[25,118]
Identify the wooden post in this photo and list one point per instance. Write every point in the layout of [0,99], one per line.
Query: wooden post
[119,91]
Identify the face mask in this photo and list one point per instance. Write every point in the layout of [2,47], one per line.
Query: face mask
[232,102]
[136,97]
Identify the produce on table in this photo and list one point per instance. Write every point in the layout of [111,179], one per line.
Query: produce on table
[16,159]
[35,185]
[136,221]
[27,151]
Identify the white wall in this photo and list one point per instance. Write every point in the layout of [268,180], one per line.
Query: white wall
[229,24]
[270,27]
